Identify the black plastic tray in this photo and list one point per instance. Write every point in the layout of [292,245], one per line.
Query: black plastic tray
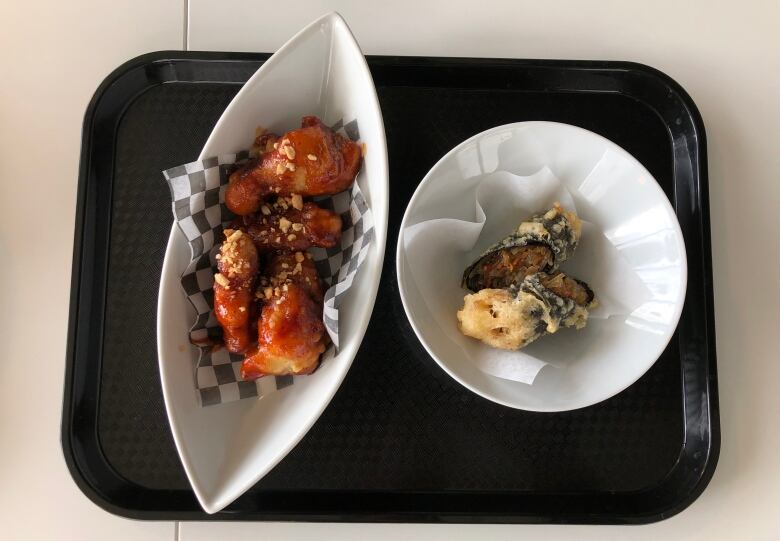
[400,441]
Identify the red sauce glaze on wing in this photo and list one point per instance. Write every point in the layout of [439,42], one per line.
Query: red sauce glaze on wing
[275,318]
[297,268]
[233,289]
[291,336]
[312,160]
[281,226]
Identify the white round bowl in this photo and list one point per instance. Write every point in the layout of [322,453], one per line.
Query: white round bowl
[632,211]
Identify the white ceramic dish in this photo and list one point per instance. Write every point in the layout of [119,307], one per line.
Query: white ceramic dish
[226,449]
[607,356]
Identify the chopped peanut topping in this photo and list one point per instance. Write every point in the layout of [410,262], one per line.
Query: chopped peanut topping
[222,280]
[297,201]
[284,224]
[228,260]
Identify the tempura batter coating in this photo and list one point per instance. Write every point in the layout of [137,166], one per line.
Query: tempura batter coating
[514,317]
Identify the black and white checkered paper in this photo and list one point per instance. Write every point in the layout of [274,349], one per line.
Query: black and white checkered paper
[198,195]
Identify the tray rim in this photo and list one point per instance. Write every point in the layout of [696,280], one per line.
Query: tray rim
[94,493]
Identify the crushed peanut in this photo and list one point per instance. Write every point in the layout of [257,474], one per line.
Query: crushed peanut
[290,166]
[285,266]
[297,227]
[268,292]
[297,201]
[241,309]
[265,210]
[298,257]
[222,280]
[292,236]
[297,269]
[280,168]
[312,157]
[289,152]
[284,224]
[229,259]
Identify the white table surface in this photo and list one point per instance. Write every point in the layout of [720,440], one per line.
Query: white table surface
[53,54]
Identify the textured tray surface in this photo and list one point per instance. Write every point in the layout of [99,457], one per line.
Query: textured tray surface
[398,423]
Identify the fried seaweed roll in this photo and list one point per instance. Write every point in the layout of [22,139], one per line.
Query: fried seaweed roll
[514,317]
[539,245]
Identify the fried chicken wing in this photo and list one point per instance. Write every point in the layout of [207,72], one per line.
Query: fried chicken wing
[312,160]
[290,224]
[291,336]
[233,289]
[296,268]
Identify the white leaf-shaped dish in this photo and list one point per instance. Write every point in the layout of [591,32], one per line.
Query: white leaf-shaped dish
[226,449]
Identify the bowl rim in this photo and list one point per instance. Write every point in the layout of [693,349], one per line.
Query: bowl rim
[678,303]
